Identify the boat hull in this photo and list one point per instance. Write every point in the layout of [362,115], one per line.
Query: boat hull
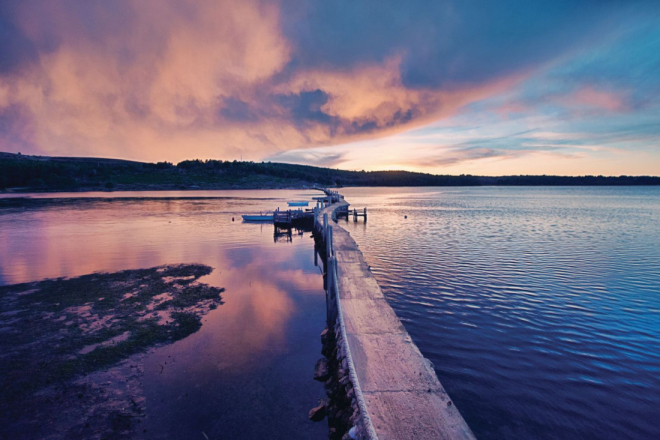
[258,218]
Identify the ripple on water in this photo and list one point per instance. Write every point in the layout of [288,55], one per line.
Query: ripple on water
[540,307]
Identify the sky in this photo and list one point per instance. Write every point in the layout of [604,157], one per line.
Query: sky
[566,87]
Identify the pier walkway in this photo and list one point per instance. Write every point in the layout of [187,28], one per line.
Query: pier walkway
[396,388]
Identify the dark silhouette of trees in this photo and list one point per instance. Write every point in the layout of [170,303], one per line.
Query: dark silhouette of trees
[37,173]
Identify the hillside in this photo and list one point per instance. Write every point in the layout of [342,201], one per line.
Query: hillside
[40,173]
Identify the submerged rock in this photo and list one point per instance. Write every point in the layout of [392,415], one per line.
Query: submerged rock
[317,413]
[321,370]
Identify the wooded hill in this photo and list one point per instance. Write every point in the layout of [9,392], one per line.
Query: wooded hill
[40,173]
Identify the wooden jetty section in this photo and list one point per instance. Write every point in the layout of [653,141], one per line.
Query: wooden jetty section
[397,391]
[357,214]
[292,217]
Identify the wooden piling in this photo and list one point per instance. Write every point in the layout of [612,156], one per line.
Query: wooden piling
[329,275]
[328,242]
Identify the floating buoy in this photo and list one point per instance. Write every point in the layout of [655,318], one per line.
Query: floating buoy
[405,216]
[232,219]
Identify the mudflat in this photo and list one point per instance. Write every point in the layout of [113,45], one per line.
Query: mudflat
[70,348]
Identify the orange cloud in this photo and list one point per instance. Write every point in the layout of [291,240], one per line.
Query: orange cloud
[155,80]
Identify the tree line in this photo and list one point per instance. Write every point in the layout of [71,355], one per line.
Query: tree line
[37,173]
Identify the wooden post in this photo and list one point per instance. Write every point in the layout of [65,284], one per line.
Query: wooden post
[328,275]
[335,274]
[332,243]
[365,214]
[328,243]
[331,300]
[325,225]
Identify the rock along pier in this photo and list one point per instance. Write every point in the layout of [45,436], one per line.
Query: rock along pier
[393,390]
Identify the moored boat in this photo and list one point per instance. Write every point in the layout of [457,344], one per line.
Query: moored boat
[298,203]
[258,217]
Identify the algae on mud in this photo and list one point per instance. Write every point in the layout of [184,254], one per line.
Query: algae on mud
[56,334]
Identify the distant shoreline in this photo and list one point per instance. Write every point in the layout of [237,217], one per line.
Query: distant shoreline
[19,193]
[22,173]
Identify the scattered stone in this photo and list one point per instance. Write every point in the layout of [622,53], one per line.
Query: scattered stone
[321,370]
[354,418]
[333,371]
[317,413]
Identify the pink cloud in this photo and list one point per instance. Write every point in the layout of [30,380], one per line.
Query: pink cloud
[149,80]
[590,97]
[511,107]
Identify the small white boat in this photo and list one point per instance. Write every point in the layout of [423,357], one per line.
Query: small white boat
[258,218]
[300,203]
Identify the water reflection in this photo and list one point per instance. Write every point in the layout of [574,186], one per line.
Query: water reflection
[286,235]
[253,357]
[282,235]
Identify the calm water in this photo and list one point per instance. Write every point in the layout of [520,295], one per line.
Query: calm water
[540,307]
[248,372]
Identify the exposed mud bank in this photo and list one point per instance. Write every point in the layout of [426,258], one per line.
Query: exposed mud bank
[71,349]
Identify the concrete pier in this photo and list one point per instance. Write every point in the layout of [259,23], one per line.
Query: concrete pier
[396,388]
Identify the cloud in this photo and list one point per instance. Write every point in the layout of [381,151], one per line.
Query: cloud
[307,107]
[456,156]
[134,78]
[307,157]
[448,42]
[235,110]
[588,96]
[15,48]
[172,79]
[166,80]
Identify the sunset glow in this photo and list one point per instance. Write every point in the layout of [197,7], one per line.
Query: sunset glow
[445,87]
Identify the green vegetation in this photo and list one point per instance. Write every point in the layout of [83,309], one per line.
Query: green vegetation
[37,173]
